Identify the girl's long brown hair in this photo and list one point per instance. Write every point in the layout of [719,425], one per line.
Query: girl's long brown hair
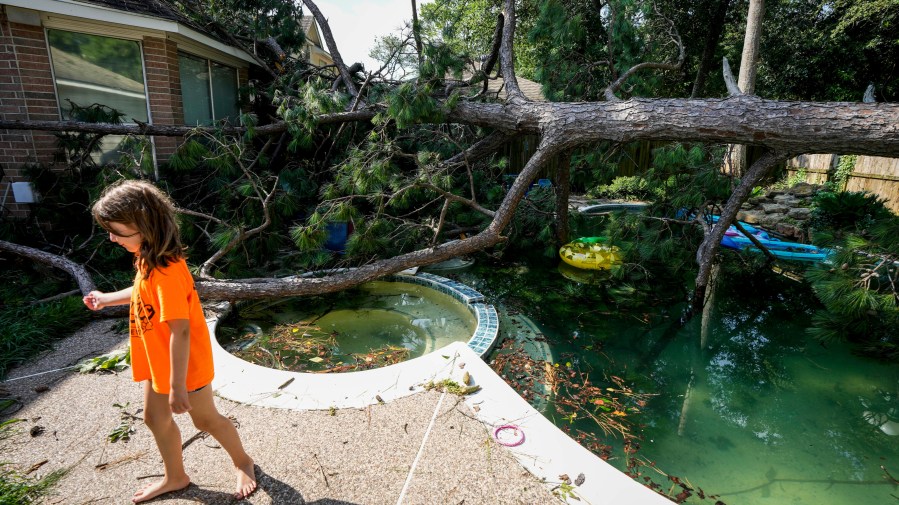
[143,206]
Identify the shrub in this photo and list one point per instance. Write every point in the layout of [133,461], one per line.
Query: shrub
[846,211]
[624,188]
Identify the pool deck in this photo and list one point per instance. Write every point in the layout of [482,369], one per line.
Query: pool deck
[356,438]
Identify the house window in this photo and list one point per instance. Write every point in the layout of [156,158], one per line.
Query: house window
[92,69]
[208,90]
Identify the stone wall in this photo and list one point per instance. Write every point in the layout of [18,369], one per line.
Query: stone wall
[784,212]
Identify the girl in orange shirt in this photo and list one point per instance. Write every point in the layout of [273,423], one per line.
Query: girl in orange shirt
[171,349]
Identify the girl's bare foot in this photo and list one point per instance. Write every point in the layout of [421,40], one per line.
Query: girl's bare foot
[163,486]
[246,480]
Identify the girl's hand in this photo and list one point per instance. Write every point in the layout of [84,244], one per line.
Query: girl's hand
[93,300]
[178,400]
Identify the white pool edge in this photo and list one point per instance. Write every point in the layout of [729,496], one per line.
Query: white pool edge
[547,451]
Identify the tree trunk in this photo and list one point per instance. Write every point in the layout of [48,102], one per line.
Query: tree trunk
[781,127]
[82,277]
[416,29]
[705,256]
[834,127]
[562,188]
[748,71]
[492,235]
[716,28]
[751,41]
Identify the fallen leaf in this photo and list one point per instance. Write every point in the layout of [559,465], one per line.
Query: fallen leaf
[580,479]
[316,359]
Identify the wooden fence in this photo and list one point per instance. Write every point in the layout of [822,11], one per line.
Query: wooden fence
[873,174]
[876,175]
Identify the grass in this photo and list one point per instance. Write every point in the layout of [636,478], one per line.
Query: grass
[28,329]
[18,489]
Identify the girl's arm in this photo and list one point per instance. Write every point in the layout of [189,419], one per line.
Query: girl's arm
[96,300]
[179,352]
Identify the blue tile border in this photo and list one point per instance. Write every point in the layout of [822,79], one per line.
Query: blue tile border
[484,338]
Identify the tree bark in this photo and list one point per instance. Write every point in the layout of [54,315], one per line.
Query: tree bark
[705,255]
[78,272]
[748,70]
[332,47]
[781,127]
[507,57]
[834,127]
[562,185]
[751,41]
[416,32]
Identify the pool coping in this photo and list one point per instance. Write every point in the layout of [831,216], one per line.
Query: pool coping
[485,334]
[547,452]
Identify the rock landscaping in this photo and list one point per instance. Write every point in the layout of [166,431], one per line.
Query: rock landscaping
[783,211]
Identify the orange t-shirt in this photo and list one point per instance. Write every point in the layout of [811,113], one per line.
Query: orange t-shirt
[168,294]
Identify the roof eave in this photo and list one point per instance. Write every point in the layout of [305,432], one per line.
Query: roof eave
[108,15]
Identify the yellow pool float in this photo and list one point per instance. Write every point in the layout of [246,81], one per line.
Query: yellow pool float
[591,253]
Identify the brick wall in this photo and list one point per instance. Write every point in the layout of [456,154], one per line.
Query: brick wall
[27,93]
[164,88]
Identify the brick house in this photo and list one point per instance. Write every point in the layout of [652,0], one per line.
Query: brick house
[141,57]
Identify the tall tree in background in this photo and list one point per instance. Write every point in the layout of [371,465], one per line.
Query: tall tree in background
[714,30]
[736,158]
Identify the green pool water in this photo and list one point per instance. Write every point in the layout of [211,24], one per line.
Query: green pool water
[372,316]
[758,413]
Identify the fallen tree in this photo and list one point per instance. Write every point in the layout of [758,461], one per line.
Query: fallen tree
[782,128]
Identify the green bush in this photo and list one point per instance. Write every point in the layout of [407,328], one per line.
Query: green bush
[624,188]
[846,211]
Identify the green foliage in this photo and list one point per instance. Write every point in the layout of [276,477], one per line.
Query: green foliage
[841,176]
[846,211]
[789,181]
[682,180]
[532,226]
[409,104]
[123,431]
[115,361]
[26,329]
[823,53]
[300,109]
[624,188]
[584,48]
[257,20]
[18,489]
[858,285]
[591,168]
[465,28]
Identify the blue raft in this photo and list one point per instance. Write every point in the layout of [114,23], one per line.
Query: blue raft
[793,251]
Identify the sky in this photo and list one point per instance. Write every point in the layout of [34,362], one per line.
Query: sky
[357,23]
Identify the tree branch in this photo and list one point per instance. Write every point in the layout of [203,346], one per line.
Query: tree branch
[81,275]
[609,93]
[416,29]
[732,88]
[706,253]
[332,47]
